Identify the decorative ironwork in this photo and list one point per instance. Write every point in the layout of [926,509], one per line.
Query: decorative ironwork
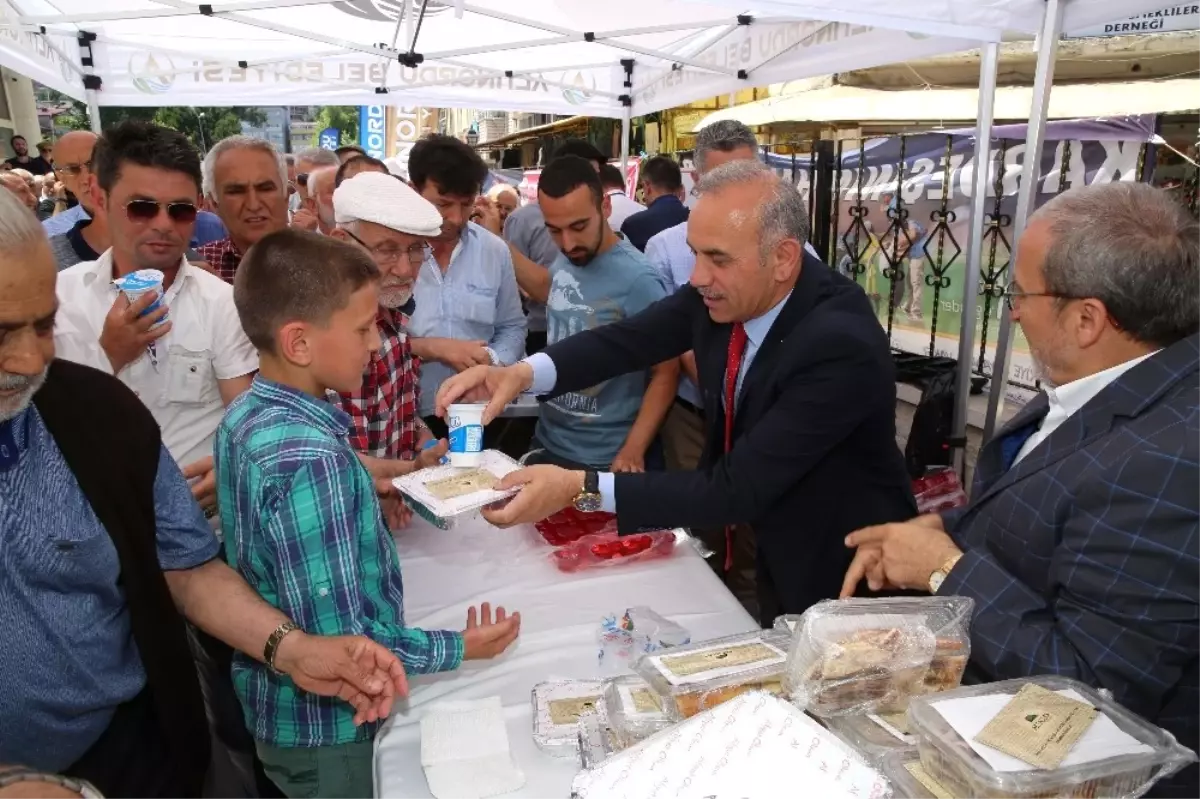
[858,225]
[942,219]
[992,282]
[889,241]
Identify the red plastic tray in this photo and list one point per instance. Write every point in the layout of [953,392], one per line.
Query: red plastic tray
[570,525]
[602,550]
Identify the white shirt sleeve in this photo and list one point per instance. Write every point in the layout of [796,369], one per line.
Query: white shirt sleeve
[233,354]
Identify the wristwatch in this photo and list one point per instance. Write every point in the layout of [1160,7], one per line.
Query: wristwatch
[942,572]
[272,645]
[588,500]
[81,787]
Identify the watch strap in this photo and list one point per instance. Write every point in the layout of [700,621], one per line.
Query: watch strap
[591,482]
[272,646]
[81,787]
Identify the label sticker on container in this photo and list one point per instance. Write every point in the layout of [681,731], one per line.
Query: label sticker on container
[468,438]
[568,711]
[457,485]
[922,776]
[1038,726]
[719,661]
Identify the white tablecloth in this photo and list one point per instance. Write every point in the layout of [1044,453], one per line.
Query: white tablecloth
[446,571]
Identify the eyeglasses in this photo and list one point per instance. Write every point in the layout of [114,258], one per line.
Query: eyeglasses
[72,169]
[147,211]
[388,252]
[1013,295]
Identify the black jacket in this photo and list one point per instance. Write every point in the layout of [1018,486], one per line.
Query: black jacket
[665,212]
[115,464]
[814,455]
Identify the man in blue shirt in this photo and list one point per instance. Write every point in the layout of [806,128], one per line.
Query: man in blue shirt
[662,189]
[101,543]
[468,309]
[596,280]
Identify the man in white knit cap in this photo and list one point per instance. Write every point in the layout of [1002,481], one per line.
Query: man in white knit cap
[389,220]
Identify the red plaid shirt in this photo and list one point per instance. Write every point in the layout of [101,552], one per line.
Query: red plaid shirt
[383,413]
[223,256]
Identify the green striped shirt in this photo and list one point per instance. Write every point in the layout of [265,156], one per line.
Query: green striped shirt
[303,526]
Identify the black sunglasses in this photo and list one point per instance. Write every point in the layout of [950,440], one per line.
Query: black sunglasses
[147,210]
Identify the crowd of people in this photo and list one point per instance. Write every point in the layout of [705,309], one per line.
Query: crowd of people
[201,593]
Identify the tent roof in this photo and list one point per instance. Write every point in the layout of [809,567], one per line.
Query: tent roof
[546,56]
[1073,101]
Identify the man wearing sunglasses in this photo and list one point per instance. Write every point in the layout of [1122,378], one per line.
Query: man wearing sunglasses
[190,366]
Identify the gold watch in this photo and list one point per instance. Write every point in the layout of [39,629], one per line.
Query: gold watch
[942,572]
[588,500]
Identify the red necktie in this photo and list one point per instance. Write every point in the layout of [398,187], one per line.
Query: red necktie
[733,364]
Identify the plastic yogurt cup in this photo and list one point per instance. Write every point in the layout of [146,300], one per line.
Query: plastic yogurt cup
[135,284]
[466,433]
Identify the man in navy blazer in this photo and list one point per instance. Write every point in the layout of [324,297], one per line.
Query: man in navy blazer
[809,452]
[662,189]
[1081,543]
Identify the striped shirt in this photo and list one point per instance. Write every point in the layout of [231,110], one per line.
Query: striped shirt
[303,527]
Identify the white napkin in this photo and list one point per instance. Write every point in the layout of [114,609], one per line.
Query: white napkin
[464,750]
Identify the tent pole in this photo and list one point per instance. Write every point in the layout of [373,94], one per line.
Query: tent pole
[93,106]
[1047,52]
[624,139]
[988,65]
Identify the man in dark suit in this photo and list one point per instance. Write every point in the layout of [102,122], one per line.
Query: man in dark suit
[662,189]
[1081,544]
[810,451]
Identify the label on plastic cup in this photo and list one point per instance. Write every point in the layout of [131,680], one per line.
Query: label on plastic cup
[466,433]
[135,284]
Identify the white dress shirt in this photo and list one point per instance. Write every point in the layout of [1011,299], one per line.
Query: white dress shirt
[177,380]
[622,207]
[1069,398]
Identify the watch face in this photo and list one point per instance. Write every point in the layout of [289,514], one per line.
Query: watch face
[587,503]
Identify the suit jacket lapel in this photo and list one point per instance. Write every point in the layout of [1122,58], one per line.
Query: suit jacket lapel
[990,466]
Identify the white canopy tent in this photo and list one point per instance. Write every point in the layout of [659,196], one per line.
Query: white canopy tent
[548,56]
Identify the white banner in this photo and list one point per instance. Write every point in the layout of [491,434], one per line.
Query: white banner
[32,55]
[1183,17]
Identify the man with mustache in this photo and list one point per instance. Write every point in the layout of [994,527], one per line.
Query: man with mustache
[1081,543]
[799,391]
[105,554]
[391,222]
[245,180]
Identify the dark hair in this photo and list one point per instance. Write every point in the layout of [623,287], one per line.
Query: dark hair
[13,139]
[359,163]
[349,148]
[611,177]
[448,162]
[143,144]
[581,148]
[296,276]
[563,175]
[662,173]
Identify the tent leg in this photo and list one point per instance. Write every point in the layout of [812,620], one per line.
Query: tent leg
[983,150]
[1047,52]
[624,140]
[93,107]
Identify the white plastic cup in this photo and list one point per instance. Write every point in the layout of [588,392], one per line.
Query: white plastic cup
[466,433]
[135,284]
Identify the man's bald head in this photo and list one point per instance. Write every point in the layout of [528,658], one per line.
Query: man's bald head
[73,159]
[27,306]
[320,192]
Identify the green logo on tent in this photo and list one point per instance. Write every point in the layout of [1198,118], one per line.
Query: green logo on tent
[152,74]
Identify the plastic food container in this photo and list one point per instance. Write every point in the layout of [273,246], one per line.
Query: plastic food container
[872,736]
[595,740]
[635,711]
[557,707]
[437,498]
[135,284]
[902,769]
[855,656]
[605,550]
[1146,753]
[465,424]
[570,525]
[787,623]
[703,675]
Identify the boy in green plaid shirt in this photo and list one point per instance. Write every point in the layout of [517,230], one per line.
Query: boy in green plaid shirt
[301,519]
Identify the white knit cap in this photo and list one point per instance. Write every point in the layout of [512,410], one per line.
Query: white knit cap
[384,200]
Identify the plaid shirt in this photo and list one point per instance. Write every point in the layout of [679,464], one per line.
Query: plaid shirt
[383,413]
[303,527]
[223,256]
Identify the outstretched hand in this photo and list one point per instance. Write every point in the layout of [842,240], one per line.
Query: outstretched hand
[497,385]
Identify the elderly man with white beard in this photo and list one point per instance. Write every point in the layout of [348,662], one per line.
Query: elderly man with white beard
[389,220]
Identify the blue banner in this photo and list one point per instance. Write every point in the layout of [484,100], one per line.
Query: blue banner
[372,130]
[330,139]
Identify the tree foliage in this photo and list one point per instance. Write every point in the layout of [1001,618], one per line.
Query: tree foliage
[202,125]
[342,117]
